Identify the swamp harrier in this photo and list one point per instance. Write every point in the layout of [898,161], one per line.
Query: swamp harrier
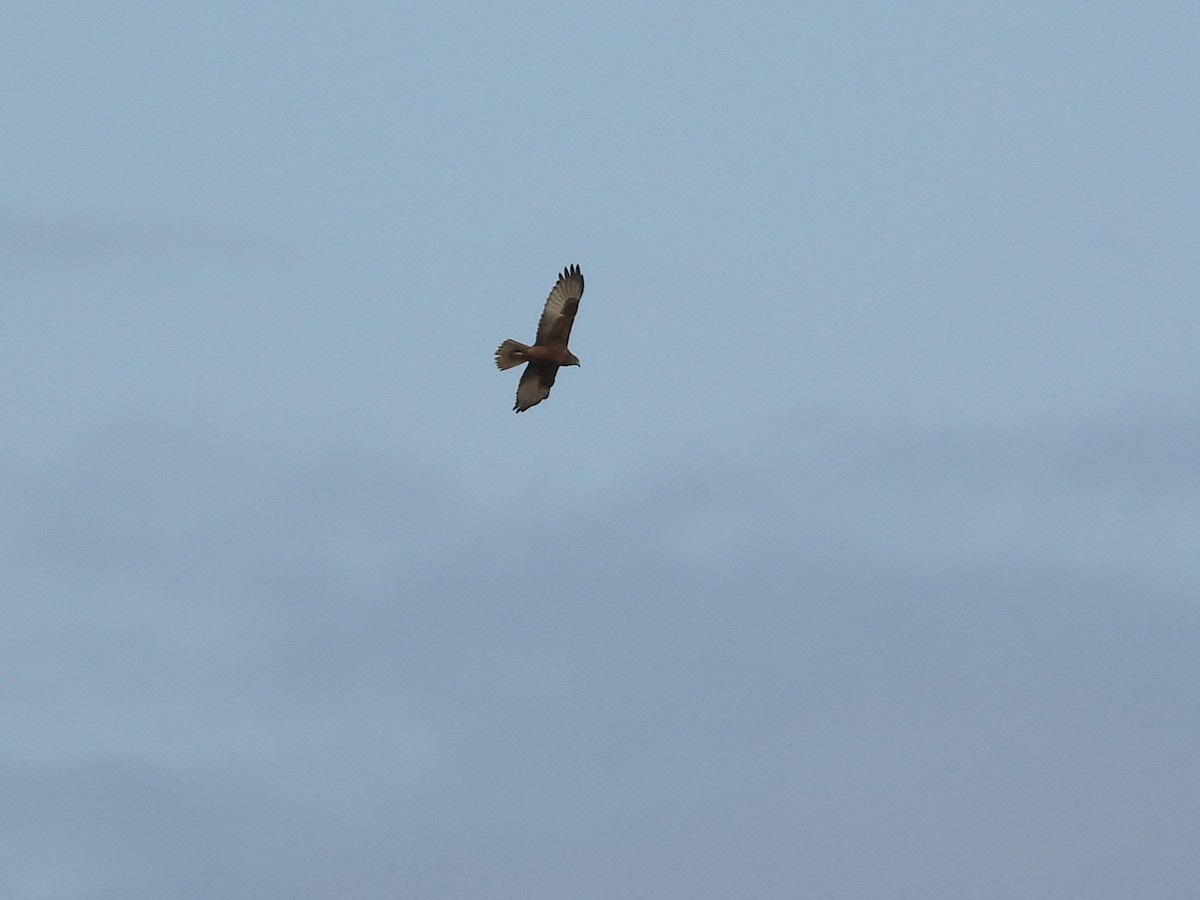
[549,350]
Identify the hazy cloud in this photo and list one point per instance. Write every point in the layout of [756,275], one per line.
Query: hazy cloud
[99,239]
[849,672]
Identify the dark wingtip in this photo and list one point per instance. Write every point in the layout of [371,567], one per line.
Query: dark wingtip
[572,271]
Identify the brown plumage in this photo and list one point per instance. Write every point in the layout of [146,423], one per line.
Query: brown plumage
[549,350]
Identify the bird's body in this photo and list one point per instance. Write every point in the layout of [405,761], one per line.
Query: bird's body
[549,351]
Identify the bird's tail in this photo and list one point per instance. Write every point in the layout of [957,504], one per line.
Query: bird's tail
[510,353]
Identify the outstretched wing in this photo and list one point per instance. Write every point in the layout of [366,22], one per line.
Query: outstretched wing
[561,306]
[536,381]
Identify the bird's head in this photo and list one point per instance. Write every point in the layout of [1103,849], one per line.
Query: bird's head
[572,359]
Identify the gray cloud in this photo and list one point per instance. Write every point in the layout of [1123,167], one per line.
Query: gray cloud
[889,664]
[79,238]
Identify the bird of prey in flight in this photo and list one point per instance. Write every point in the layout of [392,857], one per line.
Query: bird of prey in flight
[549,350]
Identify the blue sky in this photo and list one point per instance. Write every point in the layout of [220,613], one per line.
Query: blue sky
[856,560]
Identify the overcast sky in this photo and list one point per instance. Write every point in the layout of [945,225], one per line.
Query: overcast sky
[858,559]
